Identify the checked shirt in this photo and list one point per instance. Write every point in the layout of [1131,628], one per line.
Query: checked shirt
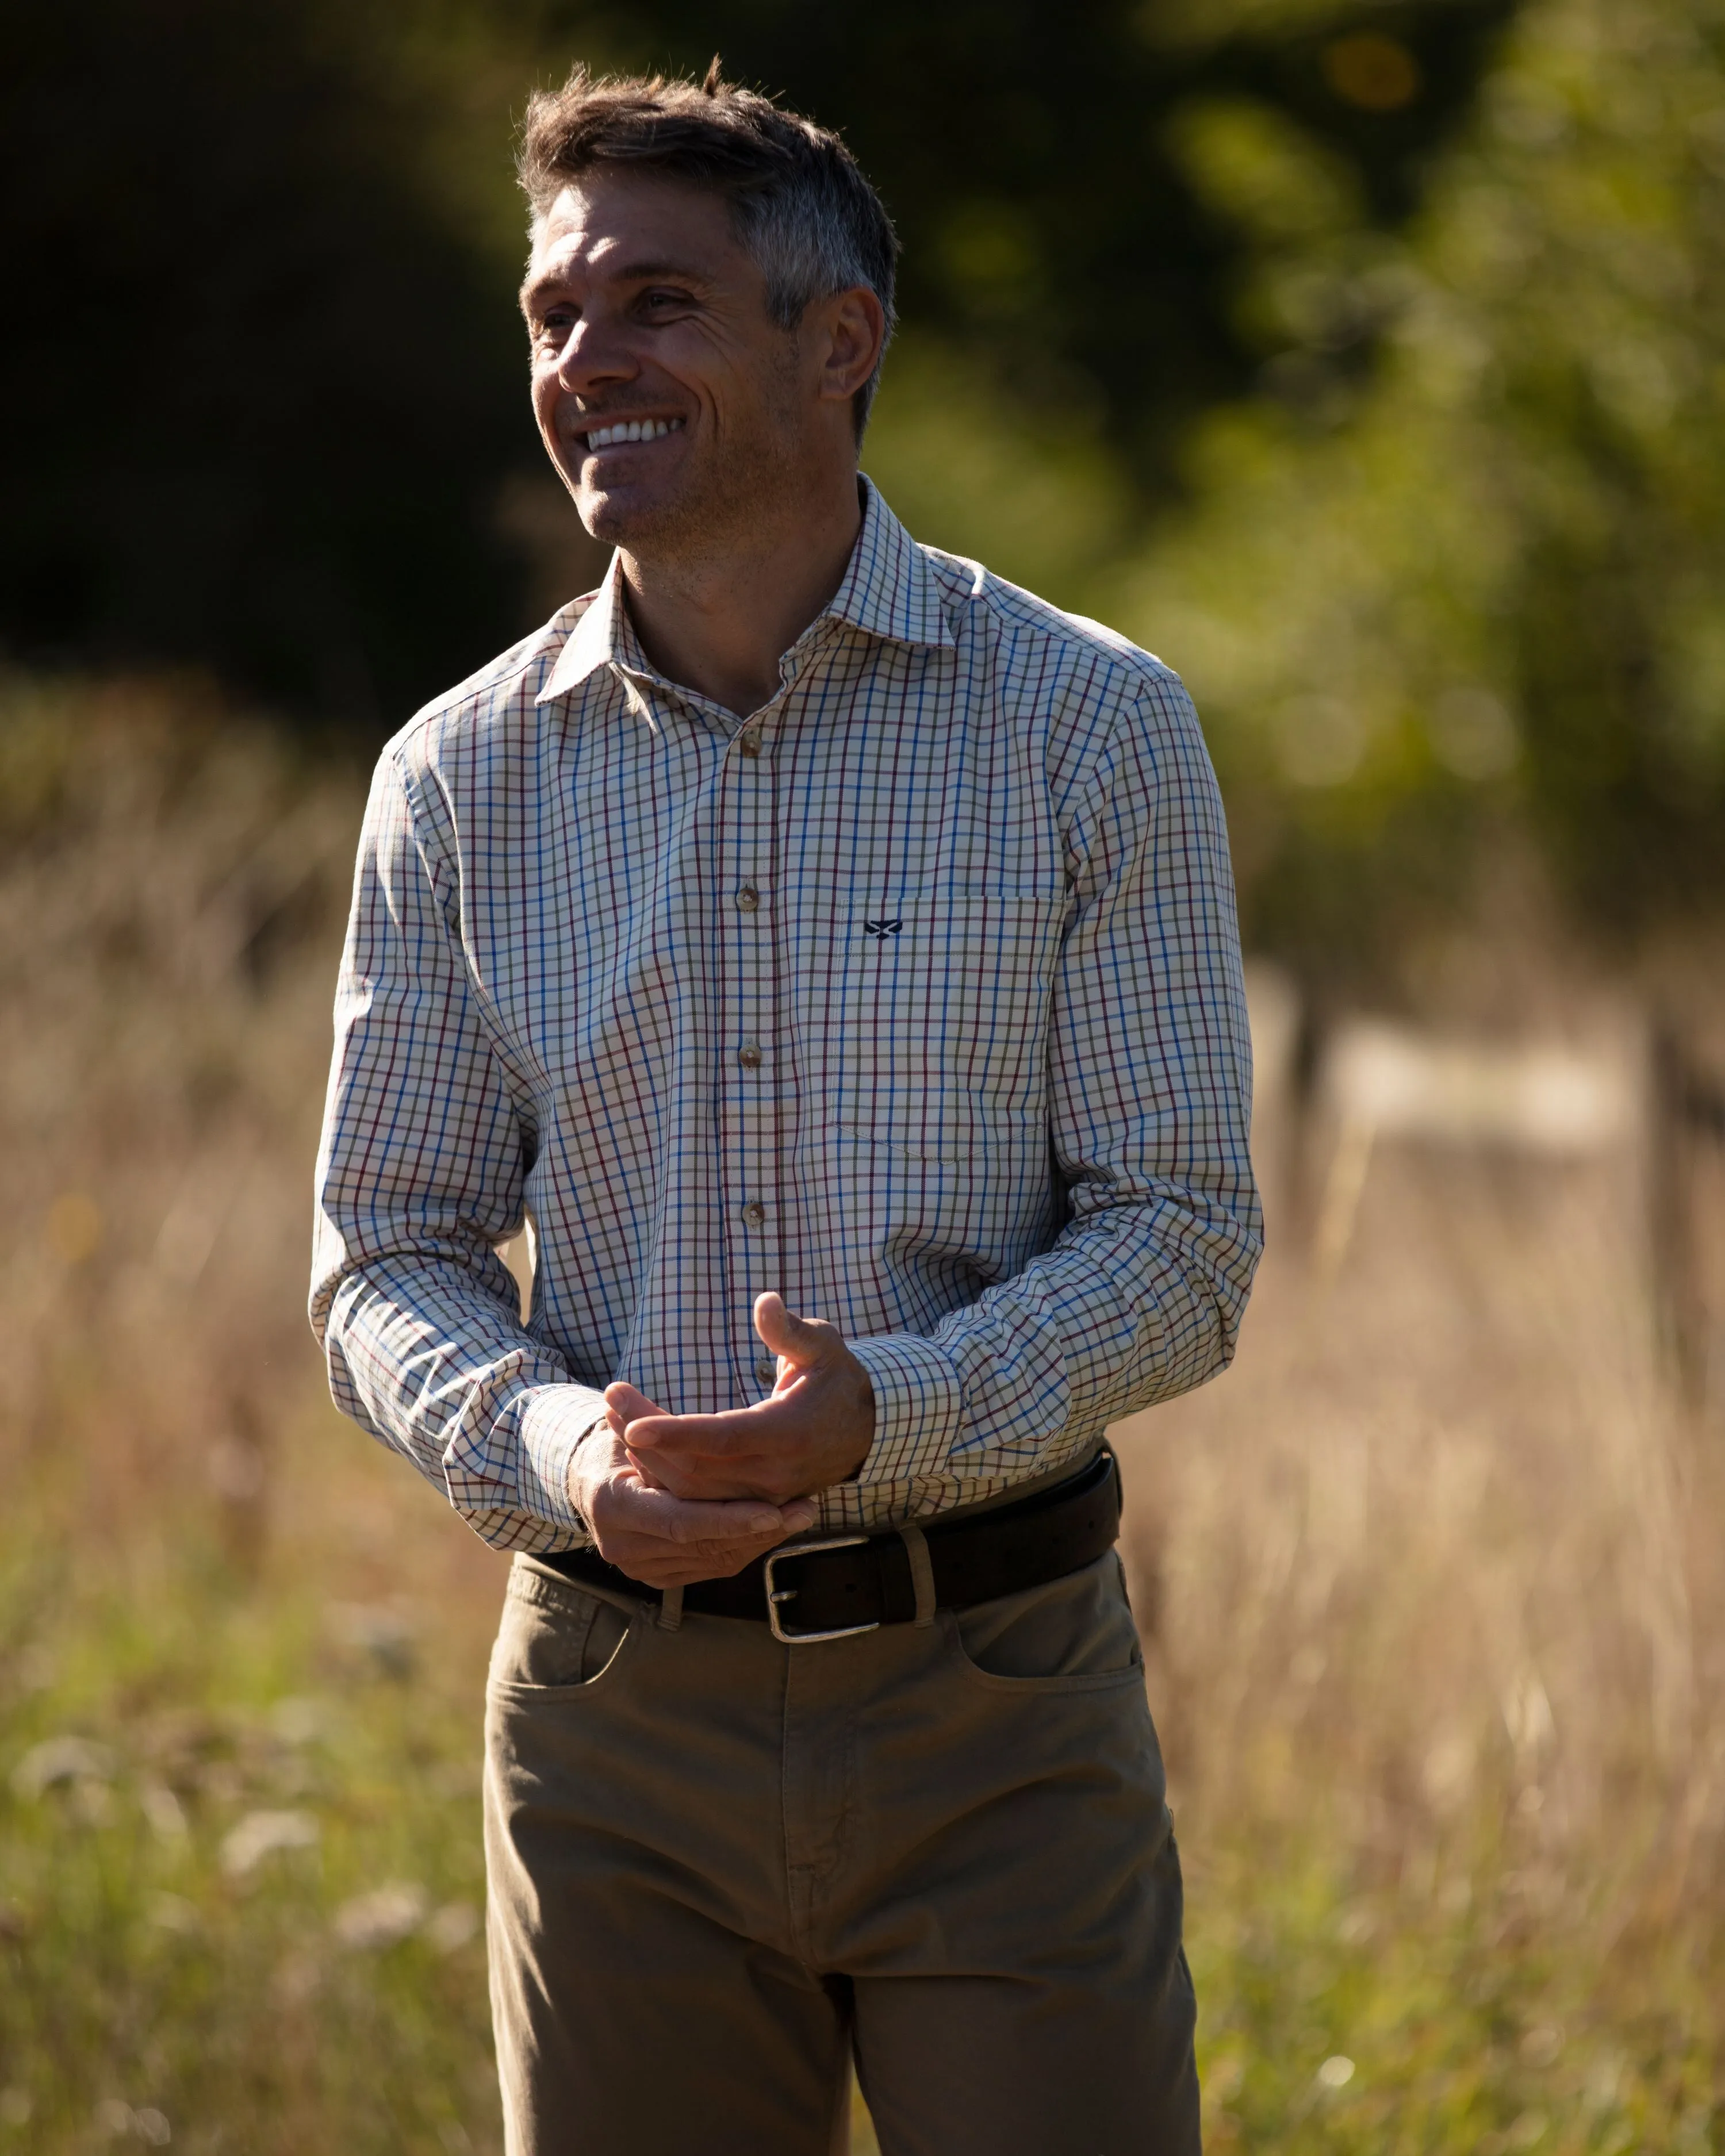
[915,996]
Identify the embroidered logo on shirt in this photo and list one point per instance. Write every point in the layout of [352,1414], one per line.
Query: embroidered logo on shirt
[882,928]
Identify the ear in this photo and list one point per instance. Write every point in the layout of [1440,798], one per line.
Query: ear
[854,325]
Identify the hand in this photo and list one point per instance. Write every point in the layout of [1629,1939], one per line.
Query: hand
[663,1540]
[815,1430]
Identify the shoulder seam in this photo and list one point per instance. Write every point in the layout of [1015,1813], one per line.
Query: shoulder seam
[506,669]
[990,589]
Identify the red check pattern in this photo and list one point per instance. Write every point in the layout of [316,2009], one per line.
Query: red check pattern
[916,997]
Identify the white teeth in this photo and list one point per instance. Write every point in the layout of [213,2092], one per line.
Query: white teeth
[631,430]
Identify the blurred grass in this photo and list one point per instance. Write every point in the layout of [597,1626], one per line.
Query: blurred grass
[250,1905]
[1431,1581]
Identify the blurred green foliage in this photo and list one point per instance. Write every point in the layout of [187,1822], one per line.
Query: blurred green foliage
[1365,360]
[1054,234]
[1479,588]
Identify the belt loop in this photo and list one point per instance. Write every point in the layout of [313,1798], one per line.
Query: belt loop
[670,1608]
[921,1574]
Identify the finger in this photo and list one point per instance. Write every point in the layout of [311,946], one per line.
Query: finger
[670,1565]
[714,1436]
[628,1509]
[630,1402]
[665,1565]
[694,1522]
[654,1479]
[766,1477]
[657,1512]
[686,1557]
[803,1341]
[742,1440]
[693,1478]
[673,1564]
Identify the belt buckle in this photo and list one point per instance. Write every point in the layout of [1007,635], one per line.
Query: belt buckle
[775,1594]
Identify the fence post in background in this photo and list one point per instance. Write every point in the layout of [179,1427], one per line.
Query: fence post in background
[1686,1194]
[1273,1006]
[1273,1011]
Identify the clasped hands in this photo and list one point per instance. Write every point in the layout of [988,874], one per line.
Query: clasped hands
[670,1499]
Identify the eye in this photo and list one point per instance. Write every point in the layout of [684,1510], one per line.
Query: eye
[658,298]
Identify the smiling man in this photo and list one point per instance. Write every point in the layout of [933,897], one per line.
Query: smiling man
[830,949]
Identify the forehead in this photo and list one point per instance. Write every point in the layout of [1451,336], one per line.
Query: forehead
[607,220]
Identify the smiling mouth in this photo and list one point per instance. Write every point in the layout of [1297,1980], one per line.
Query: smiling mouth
[629,430]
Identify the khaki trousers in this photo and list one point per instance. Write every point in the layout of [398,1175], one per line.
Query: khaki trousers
[720,1866]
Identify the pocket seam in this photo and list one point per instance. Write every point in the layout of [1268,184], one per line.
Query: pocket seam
[947,1139]
[1081,1681]
[514,1688]
[532,1589]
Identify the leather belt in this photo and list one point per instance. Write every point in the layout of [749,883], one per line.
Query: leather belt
[827,1588]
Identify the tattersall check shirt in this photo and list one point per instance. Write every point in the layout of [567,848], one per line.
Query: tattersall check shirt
[916,997]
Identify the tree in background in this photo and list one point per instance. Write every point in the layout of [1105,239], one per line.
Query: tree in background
[260,261]
[1481,587]
[262,386]
[1052,233]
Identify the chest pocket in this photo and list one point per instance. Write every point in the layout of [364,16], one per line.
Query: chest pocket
[936,997]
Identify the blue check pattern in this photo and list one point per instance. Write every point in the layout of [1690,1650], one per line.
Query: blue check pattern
[915,996]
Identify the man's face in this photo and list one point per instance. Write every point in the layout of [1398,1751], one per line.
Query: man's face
[672,402]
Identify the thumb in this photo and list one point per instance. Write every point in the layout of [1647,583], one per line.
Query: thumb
[800,1340]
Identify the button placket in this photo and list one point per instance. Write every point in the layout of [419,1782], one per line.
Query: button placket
[749,1103]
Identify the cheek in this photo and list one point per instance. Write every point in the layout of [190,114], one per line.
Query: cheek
[544,388]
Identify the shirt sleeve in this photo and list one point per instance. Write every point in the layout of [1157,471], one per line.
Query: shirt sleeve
[1140,1294]
[420,1177]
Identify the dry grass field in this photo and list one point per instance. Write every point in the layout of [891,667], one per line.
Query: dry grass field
[1432,1580]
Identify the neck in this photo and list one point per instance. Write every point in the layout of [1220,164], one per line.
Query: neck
[719,623]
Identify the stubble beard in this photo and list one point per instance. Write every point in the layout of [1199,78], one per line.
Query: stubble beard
[745,487]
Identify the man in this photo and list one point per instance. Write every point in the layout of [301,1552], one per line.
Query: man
[831,949]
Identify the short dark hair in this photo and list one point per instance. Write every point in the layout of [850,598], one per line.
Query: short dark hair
[801,205]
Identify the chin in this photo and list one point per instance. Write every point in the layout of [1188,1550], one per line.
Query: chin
[608,520]
[630,520]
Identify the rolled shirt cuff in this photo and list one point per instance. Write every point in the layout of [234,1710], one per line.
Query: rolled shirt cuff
[919,1411]
[554,1419]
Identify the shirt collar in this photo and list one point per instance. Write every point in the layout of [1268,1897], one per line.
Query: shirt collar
[604,636]
[888,591]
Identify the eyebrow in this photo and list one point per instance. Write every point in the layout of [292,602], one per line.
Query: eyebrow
[627,272]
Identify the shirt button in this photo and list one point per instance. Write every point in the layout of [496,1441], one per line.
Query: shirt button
[749,1055]
[754,1214]
[748,899]
[748,741]
[767,1370]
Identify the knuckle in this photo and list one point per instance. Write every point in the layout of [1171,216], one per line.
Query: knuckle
[726,1560]
[735,1554]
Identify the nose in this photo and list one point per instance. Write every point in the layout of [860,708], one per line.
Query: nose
[593,358]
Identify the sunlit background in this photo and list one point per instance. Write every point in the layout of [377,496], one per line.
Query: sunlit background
[1368,363]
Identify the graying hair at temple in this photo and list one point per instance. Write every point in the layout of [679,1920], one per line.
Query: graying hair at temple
[800,203]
